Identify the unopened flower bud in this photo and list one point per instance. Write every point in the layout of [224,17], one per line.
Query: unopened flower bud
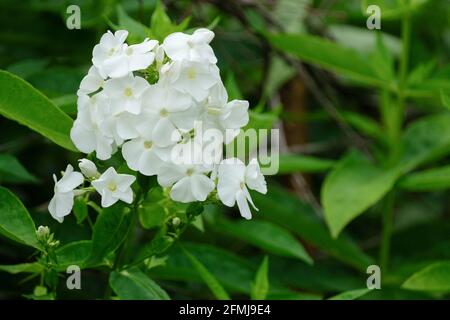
[40,291]
[159,54]
[54,243]
[42,232]
[176,221]
[88,168]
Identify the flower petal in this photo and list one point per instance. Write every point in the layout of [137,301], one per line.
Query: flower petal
[242,203]
[201,186]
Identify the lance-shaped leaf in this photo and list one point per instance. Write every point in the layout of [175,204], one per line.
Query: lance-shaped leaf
[12,171]
[327,54]
[20,102]
[265,235]
[435,277]
[350,295]
[424,140]
[133,284]
[15,221]
[209,279]
[352,187]
[110,230]
[260,287]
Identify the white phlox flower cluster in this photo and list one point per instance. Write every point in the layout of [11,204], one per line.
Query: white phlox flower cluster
[165,108]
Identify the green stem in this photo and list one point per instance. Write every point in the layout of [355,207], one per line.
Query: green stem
[395,135]
[122,251]
[386,233]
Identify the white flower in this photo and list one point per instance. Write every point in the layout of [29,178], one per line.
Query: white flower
[171,109]
[108,56]
[143,154]
[189,182]
[126,94]
[194,78]
[88,130]
[159,54]
[139,56]
[234,179]
[115,59]
[114,187]
[180,46]
[91,82]
[62,202]
[233,117]
[219,114]
[88,168]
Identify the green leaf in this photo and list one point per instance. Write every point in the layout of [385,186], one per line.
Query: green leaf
[424,140]
[327,54]
[265,235]
[12,171]
[80,209]
[232,87]
[261,120]
[353,186]
[383,61]
[365,125]
[283,208]
[362,39]
[133,284]
[260,287]
[15,221]
[428,180]
[110,230]
[234,273]
[151,215]
[291,14]
[425,82]
[350,295]
[445,98]
[392,9]
[160,243]
[26,68]
[74,253]
[435,277]
[290,163]
[34,267]
[67,103]
[137,31]
[162,26]
[21,102]
[198,223]
[212,283]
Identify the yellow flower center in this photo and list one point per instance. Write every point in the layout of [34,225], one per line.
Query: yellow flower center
[242,185]
[112,186]
[189,172]
[128,92]
[191,74]
[148,144]
[163,113]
